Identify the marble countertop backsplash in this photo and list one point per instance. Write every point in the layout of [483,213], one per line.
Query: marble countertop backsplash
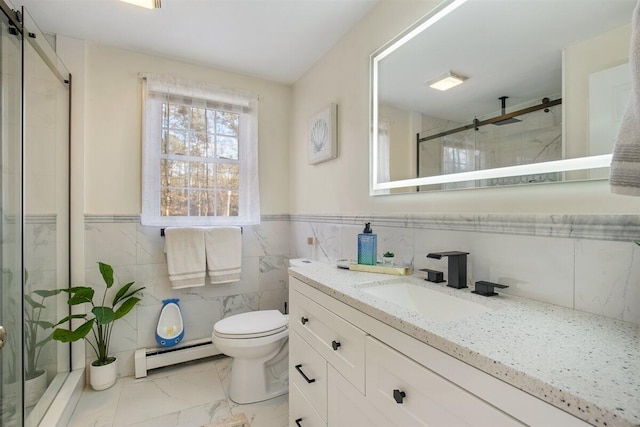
[585,364]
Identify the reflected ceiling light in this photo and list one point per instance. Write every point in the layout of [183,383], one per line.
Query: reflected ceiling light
[447,81]
[149,4]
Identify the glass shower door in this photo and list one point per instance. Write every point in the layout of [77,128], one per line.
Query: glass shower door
[11,353]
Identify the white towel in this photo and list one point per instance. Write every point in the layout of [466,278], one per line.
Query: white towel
[624,177]
[186,260]
[224,254]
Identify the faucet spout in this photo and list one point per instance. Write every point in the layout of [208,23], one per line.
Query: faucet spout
[457,267]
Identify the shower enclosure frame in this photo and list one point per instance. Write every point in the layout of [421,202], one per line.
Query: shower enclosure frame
[69,384]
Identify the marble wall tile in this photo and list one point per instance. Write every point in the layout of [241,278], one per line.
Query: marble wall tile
[608,279]
[273,272]
[267,238]
[350,241]
[112,243]
[125,333]
[149,245]
[539,268]
[40,246]
[273,300]
[400,241]
[299,232]
[327,245]
[236,304]
[199,316]
[137,254]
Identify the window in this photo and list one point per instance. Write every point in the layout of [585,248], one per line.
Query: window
[199,156]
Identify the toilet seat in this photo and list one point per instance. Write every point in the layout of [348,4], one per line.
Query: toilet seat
[254,324]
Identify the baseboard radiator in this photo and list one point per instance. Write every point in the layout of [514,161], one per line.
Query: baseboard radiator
[152,358]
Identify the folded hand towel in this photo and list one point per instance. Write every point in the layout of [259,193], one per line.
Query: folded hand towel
[185,256]
[224,254]
[624,177]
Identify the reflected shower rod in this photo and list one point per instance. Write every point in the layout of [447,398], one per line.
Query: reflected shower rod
[546,103]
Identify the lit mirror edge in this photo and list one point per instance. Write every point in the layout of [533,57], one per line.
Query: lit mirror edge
[566,165]
[375,187]
[424,22]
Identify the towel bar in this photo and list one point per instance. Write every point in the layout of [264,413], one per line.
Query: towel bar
[162,231]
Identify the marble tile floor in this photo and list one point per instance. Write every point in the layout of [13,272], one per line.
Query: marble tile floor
[192,394]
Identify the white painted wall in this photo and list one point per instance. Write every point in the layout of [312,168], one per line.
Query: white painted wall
[113,128]
[342,185]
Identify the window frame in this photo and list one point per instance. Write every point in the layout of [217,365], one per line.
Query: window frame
[160,89]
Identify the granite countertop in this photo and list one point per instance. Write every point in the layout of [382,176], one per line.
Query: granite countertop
[585,364]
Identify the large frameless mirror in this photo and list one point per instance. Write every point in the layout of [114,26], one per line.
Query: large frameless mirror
[484,93]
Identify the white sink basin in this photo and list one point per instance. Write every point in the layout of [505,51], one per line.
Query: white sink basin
[431,304]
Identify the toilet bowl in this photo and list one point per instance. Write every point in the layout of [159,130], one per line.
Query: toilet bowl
[258,341]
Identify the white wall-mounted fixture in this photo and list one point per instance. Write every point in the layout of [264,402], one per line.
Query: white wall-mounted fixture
[447,81]
[149,4]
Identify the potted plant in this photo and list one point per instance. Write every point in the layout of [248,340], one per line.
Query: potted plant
[387,257]
[35,377]
[102,372]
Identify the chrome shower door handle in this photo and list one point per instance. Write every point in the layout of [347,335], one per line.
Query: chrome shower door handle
[3,336]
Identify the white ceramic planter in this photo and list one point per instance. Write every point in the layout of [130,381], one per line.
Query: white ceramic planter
[104,376]
[34,388]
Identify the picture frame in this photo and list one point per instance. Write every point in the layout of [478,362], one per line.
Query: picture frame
[322,135]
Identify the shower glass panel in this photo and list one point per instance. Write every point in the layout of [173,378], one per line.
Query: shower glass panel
[533,137]
[46,219]
[11,353]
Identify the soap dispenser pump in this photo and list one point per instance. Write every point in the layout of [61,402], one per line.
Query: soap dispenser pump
[367,246]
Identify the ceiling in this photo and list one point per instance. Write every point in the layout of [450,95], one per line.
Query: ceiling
[273,39]
[506,47]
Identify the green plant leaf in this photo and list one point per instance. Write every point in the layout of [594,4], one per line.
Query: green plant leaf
[32,303]
[74,289]
[128,295]
[65,335]
[81,296]
[42,323]
[107,273]
[103,315]
[46,293]
[73,316]
[126,307]
[120,294]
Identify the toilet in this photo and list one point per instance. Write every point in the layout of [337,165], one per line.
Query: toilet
[258,341]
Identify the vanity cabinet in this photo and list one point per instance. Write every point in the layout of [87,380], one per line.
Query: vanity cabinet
[381,377]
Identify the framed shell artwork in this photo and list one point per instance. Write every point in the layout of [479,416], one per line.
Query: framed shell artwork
[323,135]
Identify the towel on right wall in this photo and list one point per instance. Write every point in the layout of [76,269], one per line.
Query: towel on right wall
[625,165]
[223,247]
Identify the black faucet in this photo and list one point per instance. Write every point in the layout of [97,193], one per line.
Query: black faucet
[457,267]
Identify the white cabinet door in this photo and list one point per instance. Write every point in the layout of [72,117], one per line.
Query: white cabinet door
[411,395]
[301,412]
[335,339]
[348,407]
[308,371]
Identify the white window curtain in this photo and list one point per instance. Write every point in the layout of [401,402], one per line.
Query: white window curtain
[162,88]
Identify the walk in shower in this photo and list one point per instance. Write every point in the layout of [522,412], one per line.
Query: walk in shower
[34,218]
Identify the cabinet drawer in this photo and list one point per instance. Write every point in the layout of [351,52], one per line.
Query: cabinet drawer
[350,408]
[336,340]
[423,397]
[301,413]
[308,371]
